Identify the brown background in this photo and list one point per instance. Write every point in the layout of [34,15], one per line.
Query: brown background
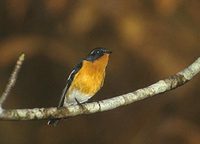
[150,40]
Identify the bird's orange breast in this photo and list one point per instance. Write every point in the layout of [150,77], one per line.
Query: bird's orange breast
[90,77]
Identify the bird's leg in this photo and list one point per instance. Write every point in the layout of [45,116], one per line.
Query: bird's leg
[99,106]
[80,104]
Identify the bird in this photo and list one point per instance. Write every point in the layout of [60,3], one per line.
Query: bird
[85,80]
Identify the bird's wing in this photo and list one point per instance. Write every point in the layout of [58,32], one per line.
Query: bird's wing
[69,81]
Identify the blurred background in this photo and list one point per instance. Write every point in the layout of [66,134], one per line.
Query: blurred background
[150,40]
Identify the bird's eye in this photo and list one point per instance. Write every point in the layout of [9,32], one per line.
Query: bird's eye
[98,52]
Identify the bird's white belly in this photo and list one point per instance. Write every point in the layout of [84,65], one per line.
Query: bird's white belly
[70,99]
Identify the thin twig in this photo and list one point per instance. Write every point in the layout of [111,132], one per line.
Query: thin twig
[161,86]
[12,79]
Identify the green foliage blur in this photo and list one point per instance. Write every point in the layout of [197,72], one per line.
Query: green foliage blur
[150,40]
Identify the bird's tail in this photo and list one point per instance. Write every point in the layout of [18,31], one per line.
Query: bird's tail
[53,122]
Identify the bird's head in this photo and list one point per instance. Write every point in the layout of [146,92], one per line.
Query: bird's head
[97,53]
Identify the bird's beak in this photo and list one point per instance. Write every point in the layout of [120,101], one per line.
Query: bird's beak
[108,51]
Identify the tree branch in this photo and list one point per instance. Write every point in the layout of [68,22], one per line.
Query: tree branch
[12,79]
[161,86]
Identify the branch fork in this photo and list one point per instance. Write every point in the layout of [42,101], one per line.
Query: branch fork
[161,86]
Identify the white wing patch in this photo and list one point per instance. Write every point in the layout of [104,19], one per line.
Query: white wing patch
[69,77]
